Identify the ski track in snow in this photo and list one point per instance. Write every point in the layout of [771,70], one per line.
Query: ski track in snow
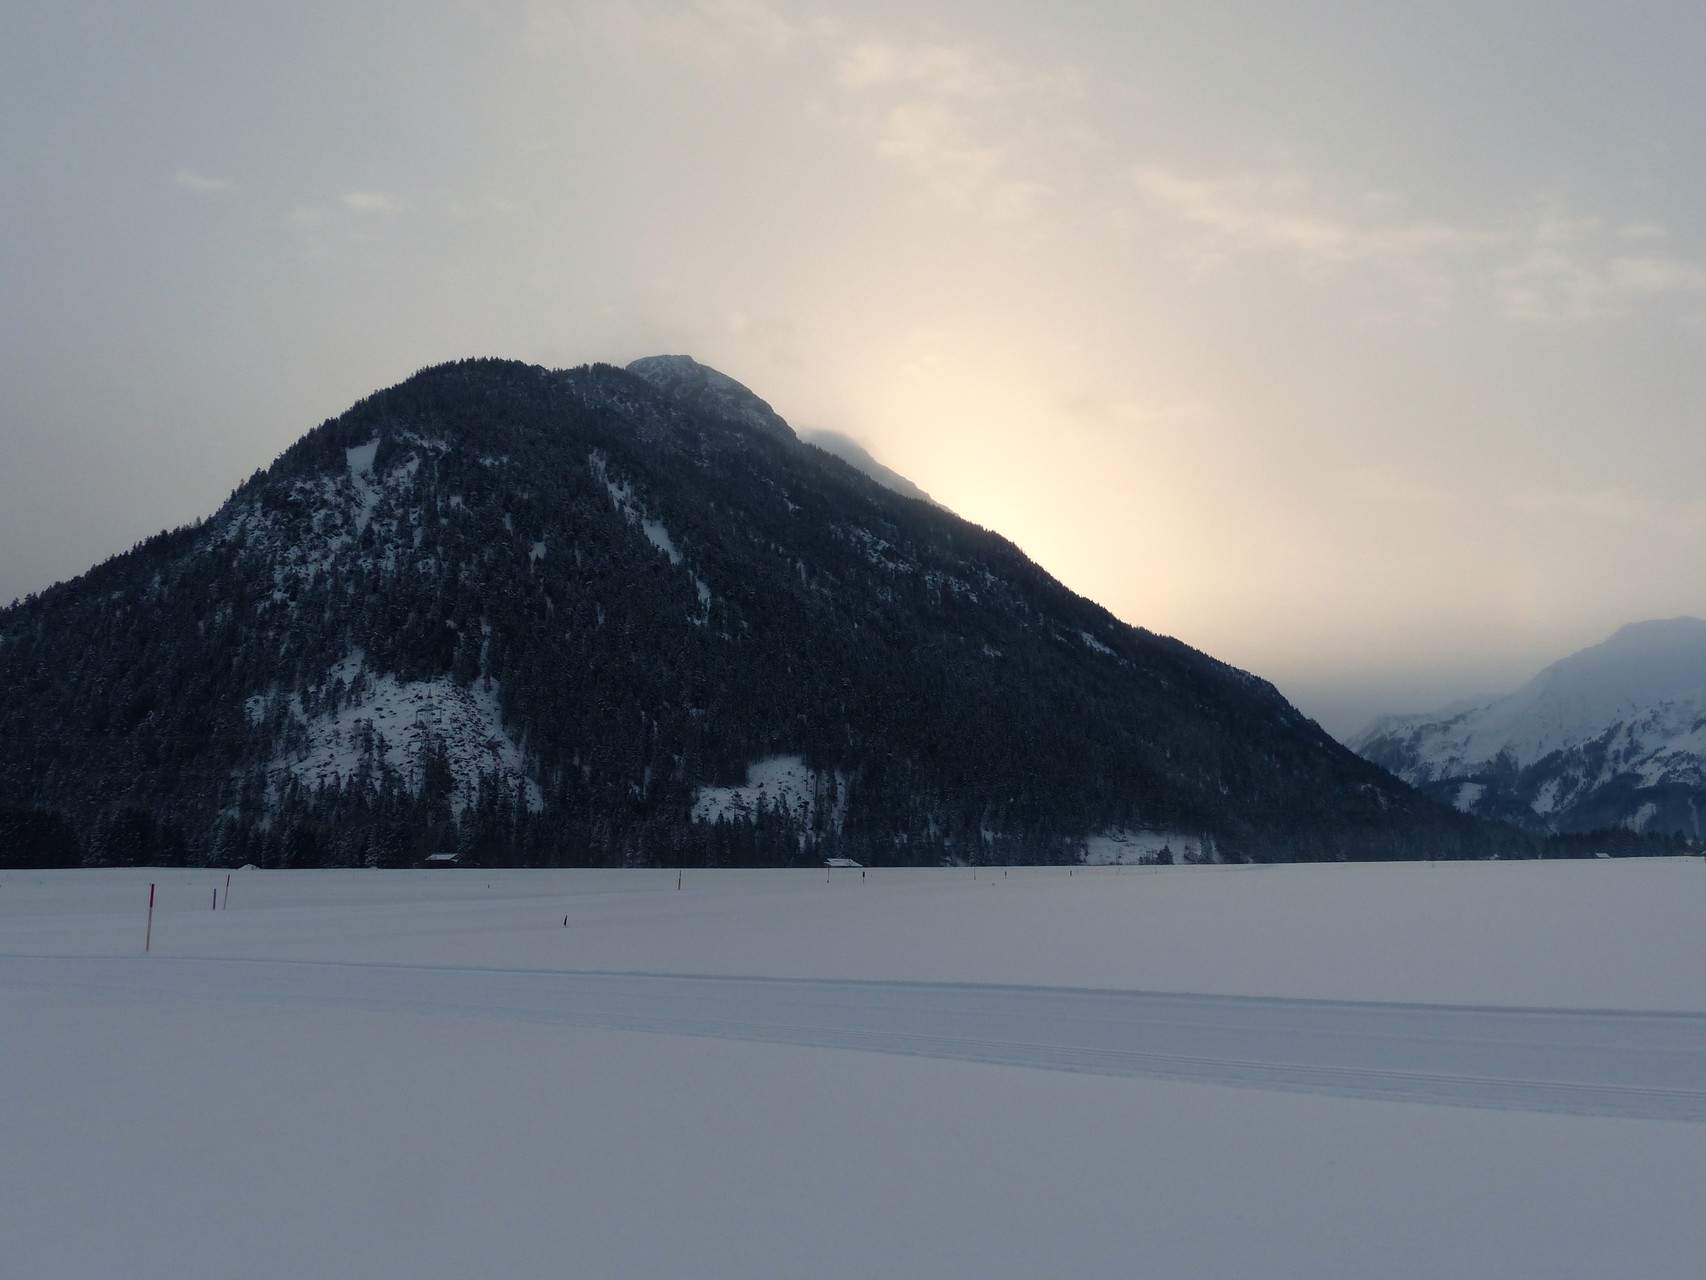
[1575,1062]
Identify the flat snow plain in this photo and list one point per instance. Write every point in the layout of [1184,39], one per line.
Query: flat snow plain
[1356,1070]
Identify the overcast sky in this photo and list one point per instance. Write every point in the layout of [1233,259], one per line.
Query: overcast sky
[1361,345]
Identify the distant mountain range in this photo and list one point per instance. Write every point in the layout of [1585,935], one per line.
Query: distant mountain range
[626,616]
[1612,736]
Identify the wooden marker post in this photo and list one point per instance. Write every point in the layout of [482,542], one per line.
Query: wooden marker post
[148,938]
[228,891]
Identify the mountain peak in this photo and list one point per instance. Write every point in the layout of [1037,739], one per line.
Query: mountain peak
[1659,634]
[1614,734]
[555,618]
[705,390]
[1641,664]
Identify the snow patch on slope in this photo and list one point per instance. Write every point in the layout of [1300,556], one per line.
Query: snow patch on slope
[379,723]
[778,784]
[1095,645]
[659,537]
[360,457]
[622,497]
[1120,846]
[320,523]
[879,551]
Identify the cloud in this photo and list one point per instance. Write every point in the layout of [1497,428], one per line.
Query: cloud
[934,141]
[980,133]
[201,183]
[1612,506]
[1571,272]
[1022,145]
[490,205]
[1550,507]
[1319,231]
[1096,405]
[1388,486]
[707,31]
[1637,276]
[320,229]
[1561,269]
[760,23]
[983,134]
[942,71]
[368,202]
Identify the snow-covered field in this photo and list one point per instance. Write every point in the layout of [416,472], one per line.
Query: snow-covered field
[1358,1071]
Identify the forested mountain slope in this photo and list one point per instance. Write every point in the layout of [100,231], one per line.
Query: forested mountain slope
[602,616]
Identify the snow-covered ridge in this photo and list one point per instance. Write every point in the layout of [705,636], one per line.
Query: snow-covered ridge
[379,724]
[1650,673]
[1628,714]
[1096,646]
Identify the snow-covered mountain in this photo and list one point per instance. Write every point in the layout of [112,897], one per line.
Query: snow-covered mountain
[601,615]
[1612,736]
